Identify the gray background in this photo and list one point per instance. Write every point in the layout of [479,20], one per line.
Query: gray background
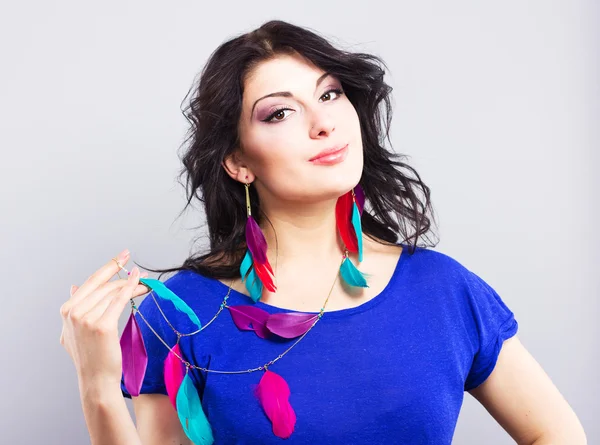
[496,103]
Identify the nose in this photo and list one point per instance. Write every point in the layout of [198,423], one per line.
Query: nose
[322,126]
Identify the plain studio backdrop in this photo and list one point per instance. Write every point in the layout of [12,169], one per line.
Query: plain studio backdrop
[497,105]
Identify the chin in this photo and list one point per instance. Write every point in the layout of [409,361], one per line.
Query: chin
[338,183]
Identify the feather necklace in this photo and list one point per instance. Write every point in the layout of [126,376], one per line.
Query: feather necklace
[272,390]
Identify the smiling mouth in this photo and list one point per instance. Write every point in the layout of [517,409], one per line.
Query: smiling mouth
[332,158]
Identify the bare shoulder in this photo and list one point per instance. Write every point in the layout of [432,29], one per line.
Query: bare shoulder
[157,422]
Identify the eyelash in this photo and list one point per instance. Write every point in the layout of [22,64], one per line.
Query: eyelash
[338,91]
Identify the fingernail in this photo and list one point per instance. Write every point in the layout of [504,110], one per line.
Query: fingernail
[123,255]
[72,290]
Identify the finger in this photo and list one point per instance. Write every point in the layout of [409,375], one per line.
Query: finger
[81,307]
[117,304]
[104,293]
[66,306]
[102,300]
[96,312]
[101,276]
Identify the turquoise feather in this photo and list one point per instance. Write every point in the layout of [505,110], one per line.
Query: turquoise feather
[352,275]
[358,229]
[167,294]
[254,286]
[192,417]
[246,265]
[253,283]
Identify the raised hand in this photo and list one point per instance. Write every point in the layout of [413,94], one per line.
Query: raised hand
[90,321]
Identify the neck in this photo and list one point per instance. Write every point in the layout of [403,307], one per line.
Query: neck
[302,234]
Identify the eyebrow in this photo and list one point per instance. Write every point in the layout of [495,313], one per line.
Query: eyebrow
[287,93]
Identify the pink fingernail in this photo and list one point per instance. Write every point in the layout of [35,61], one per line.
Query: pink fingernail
[123,255]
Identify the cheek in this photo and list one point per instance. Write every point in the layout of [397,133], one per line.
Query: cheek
[352,123]
[275,155]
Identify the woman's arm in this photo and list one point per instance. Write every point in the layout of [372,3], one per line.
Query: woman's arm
[109,422]
[525,402]
[106,415]
[157,421]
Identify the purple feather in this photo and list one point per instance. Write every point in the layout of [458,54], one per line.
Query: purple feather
[134,355]
[360,197]
[290,324]
[250,318]
[257,244]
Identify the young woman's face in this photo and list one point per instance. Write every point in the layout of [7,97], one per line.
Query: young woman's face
[282,134]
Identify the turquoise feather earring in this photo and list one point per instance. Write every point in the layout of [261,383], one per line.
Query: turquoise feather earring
[255,270]
[348,212]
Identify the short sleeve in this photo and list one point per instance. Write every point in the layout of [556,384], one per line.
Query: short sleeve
[149,314]
[493,322]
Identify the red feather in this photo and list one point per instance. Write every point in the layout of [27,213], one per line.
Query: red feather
[273,393]
[265,274]
[343,217]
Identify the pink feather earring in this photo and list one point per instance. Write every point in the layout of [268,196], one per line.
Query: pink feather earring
[255,269]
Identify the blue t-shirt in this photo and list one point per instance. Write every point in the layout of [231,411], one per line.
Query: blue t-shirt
[392,370]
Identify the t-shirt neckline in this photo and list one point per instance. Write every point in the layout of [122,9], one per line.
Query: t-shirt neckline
[338,313]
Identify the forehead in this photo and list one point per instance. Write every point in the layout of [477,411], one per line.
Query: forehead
[282,73]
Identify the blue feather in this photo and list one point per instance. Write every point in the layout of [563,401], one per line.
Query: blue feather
[352,275]
[192,417]
[358,230]
[253,283]
[254,286]
[246,265]
[167,294]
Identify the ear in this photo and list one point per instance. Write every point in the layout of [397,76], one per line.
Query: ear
[237,168]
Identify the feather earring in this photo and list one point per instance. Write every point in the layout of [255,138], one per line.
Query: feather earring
[133,354]
[255,268]
[273,393]
[351,275]
[348,212]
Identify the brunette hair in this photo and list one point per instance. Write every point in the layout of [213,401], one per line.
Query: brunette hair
[394,212]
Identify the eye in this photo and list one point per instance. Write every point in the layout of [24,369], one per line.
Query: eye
[334,90]
[279,111]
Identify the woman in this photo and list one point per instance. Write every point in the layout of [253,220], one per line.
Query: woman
[281,114]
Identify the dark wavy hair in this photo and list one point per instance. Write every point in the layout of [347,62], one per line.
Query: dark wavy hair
[394,212]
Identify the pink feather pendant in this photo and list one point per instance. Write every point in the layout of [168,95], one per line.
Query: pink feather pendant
[273,393]
[134,356]
[174,372]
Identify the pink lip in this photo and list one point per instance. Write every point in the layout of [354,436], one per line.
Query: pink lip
[331,156]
